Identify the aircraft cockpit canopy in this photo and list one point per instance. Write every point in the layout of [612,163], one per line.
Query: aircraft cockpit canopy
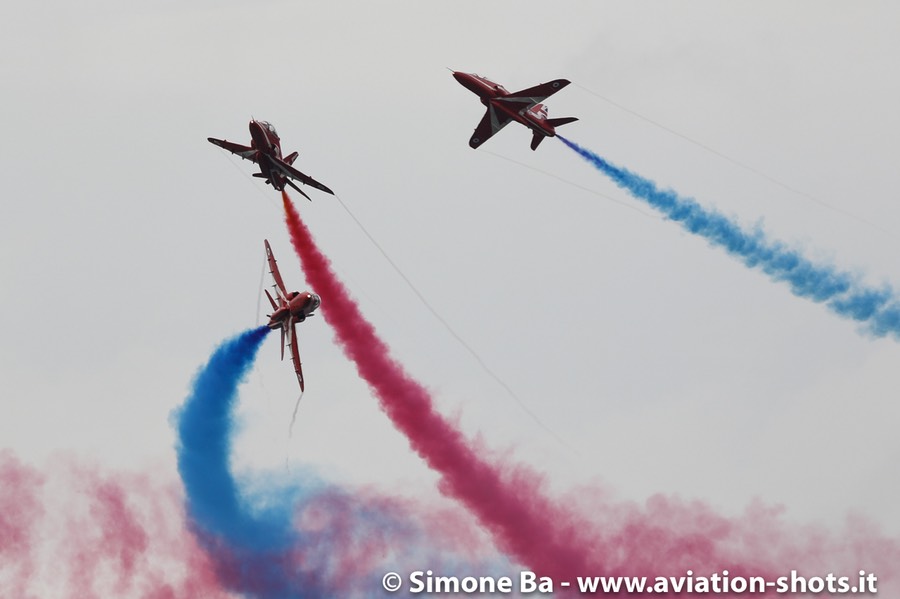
[497,86]
[269,127]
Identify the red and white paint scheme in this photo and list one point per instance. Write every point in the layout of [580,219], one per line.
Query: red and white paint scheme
[523,106]
[290,309]
[265,150]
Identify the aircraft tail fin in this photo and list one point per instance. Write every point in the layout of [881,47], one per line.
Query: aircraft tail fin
[290,158]
[536,140]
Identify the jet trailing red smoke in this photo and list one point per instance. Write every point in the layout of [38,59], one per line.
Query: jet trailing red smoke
[586,532]
[507,501]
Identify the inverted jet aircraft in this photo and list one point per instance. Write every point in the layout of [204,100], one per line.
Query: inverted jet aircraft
[290,309]
[523,106]
[265,150]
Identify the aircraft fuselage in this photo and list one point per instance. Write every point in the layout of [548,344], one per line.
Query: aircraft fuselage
[265,140]
[267,143]
[265,151]
[491,95]
[299,305]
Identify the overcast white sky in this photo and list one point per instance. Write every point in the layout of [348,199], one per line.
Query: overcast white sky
[131,246]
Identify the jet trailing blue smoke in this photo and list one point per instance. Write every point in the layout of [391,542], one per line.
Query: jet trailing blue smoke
[877,309]
[205,445]
[249,547]
[297,539]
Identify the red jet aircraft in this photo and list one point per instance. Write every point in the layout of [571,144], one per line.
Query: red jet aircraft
[265,150]
[290,309]
[522,106]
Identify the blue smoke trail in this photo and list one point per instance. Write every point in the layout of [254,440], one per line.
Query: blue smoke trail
[205,446]
[877,309]
[251,548]
[297,540]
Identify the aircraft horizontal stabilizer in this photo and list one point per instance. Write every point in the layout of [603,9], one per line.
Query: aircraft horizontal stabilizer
[300,191]
[562,121]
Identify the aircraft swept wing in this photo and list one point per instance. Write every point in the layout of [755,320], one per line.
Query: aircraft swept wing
[530,96]
[280,289]
[244,152]
[491,122]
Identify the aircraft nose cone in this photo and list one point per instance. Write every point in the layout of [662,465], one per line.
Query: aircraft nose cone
[468,81]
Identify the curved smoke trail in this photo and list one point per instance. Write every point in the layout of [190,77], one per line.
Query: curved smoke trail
[204,446]
[877,309]
[252,549]
[303,538]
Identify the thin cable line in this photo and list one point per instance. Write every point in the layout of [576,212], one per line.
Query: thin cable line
[628,205]
[744,166]
[452,332]
[252,181]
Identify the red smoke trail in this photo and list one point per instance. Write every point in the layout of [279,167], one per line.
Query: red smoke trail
[70,531]
[19,509]
[508,502]
[588,533]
